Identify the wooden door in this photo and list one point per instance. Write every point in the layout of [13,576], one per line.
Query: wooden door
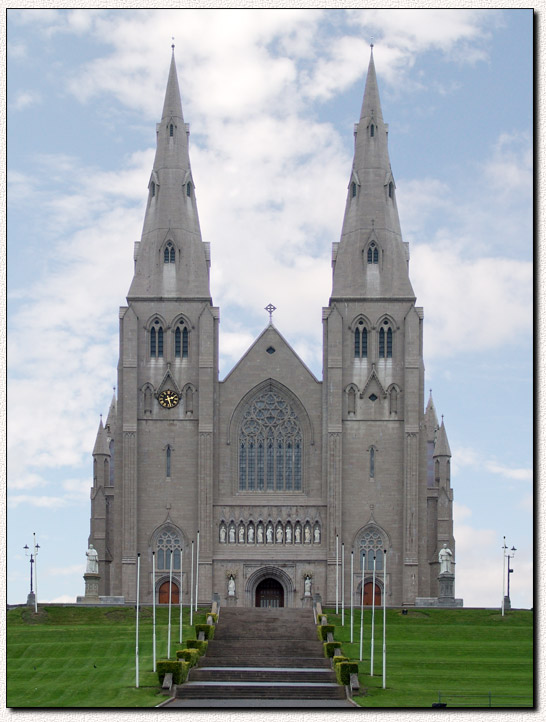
[269,593]
[368,591]
[163,597]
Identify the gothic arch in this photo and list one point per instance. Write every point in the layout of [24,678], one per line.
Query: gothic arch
[168,526]
[371,525]
[267,572]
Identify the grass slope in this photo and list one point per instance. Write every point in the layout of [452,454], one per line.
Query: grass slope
[463,653]
[85,656]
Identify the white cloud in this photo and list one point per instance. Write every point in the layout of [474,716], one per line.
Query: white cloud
[67,571]
[63,599]
[509,473]
[45,502]
[25,99]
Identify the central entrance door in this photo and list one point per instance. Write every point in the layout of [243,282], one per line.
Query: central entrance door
[368,594]
[269,593]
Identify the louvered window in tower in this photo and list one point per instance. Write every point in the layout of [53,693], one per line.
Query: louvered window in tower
[385,341]
[373,254]
[270,446]
[391,189]
[171,130]
[152,189]
[188,190]
[353,189]
[361,341]
[169,254]
[372,130]
[181,342]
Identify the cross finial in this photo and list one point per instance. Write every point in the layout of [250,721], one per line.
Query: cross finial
[371,42]
[172,46]
[270,308]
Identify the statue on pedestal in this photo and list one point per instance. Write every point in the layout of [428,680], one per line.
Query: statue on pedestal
[307,586]
[231,586]
[92,560]
[444,557]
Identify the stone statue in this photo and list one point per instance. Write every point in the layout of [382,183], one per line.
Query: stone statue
[260,534]
[222,534]
[231,586]
[307,534]
[317,534]
[288,534]
[279,534]
[444,557]
[92,560]
[269,534]
[241,534]
[251,534]
[307,586]
[297,534]
[232,534]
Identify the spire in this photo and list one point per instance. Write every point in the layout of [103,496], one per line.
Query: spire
[112,413]
[371,215]
[441,448]
[431,419]
[171,260]
[101,443]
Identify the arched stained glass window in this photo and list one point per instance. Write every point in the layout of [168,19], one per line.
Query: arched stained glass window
[385,341]
[372,544]
[168,542]
[181,342]
[270,446]
[361,341]
[169,255]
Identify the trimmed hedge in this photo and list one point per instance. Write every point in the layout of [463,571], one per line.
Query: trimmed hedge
[208,630]
[214,616]
[337,659]
[178,669]
[199,644]
[324,630]
[344,671]
[191,656]
[329,648]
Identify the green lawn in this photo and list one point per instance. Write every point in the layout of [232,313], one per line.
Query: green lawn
[85,656]
[468,652]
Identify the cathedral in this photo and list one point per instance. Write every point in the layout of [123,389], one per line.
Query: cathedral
[249,488]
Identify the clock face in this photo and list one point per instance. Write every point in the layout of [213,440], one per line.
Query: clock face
[168,399]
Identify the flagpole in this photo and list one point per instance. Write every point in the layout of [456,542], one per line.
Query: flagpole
[362,606]
[170,602]
[180,597]
[197,572]
[373,619]
[337,573]
[153,611]
[191,587]
[352,591]
[137,603]
[385,619]
[342,584]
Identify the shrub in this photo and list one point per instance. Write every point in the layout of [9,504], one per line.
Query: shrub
[344,671]
[214,617]
[208,630]
[191,656]
[329,648]
[324,630]
[337,659]
[178,669]
[198,644]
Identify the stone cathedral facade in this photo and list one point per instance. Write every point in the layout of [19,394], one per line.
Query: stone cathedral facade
[271,469]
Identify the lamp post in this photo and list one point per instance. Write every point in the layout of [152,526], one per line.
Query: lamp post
[510,571]
[33,596]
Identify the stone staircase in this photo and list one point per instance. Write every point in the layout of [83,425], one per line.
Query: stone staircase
[264,654]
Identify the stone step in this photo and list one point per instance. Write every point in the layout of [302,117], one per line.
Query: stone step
[261,674]
[266,647]
[247,660]
[258,690]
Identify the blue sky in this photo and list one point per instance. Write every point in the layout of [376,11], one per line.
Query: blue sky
[271,97]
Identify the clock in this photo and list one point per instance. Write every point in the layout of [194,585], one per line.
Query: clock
[168,399]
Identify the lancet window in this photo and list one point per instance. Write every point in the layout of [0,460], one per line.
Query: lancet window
[156,340]
[385,340]
[169,255]
[372,545]
[373,253]
[168,543]
[361,340]
[181,341]
[270,446]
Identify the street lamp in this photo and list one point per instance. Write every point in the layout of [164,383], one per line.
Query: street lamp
[510,571]
[506,555]
[33,596]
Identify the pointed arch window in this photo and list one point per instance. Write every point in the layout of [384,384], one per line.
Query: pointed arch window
[393,400]
[171,130]
[391,189]
[372,544]
[373,253]
[156,340]
[188,190]
[152,188]
[168,543]
[361,340]
[372,462]
[353,189]
[385,341]
[270,446]
[181,341]
[169,254]
[372,130]
[351,401]
[168,462]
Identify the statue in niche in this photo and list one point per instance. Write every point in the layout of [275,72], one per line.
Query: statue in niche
[269,534]
[222,534]
[260,533]
[317,534]
[297,534]
[307,586]
[279,534]
[231,586]
[288,534]
[444,557]
[241,534]
[231,534]
[307,534]
[251,534]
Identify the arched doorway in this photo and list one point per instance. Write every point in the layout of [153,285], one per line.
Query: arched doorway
[269,593]
[368,592]
[163,593]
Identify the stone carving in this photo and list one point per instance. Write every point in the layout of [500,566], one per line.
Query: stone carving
[289,533]
[444,557]
[307,585]
[231,586]
[317,534]
[241,534]
[269,533]
[92,560]
[279,534]
[251,533]
[222,533]
[260,533]
[232,534]
[297,534]
[307,534]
